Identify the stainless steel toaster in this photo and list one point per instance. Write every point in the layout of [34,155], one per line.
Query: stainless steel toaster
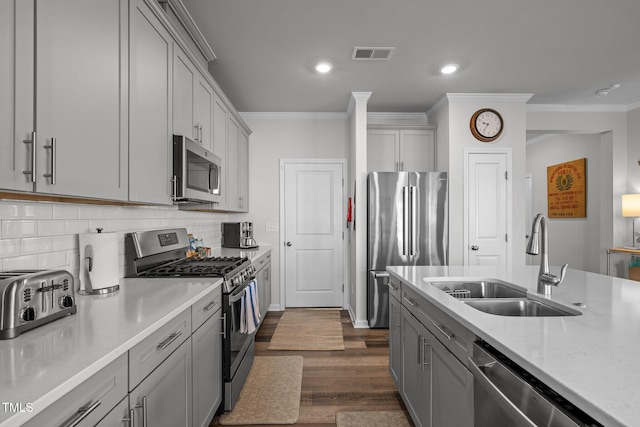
[30,298]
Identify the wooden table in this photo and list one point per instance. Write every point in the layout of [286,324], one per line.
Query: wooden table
[628,251]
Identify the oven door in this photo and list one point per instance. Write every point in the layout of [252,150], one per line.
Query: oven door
[235,341]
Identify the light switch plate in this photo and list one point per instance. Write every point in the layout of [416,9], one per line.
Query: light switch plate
[271,227]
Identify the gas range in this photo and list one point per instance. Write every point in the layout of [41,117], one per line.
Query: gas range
[162,253]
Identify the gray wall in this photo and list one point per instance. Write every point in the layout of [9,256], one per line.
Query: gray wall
[574,241]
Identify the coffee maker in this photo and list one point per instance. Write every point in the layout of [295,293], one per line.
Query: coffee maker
[238,235]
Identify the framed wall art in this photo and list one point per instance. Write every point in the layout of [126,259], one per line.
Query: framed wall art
[567,189]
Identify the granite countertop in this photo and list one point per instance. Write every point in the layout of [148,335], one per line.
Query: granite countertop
[43,364]
[590,359]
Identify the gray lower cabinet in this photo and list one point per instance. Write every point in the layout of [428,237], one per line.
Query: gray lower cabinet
[428,360]
[395,340]
[416,369]
[263,277]
[207,370]
[119,416]
[89,402]
[163,399]
[452,385]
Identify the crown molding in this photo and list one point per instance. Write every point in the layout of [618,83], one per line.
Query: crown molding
[396,116]
[294,115]
[568,108]
[437,106]
[502,97]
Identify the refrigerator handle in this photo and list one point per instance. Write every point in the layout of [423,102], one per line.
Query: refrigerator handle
[414,218]
[405,220]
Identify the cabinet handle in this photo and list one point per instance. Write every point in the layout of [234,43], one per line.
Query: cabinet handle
[200,134]
[224,326]
[130,419]
[392,286]
[52,147]
[174,187]
[82,412]
[210,306]
[32,172]
[195,137]
[425,345]
[171,338]
[410,301]
[144,410]
[441,329]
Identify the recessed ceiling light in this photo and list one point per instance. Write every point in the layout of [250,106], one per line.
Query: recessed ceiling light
[323,67]
[449,68]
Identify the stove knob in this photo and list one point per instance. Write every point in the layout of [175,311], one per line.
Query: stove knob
[66,301]
[28,314]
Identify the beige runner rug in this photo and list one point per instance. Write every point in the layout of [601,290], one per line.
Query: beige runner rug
[271,393]
[308,329]
[372,419]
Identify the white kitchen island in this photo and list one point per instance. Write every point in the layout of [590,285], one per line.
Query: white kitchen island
[590,359]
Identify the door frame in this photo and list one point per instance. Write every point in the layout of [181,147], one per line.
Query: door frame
[281,238]
[509,200]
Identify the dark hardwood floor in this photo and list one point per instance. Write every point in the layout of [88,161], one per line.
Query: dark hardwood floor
[356,379]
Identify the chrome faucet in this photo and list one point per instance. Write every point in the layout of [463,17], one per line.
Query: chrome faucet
[545,279]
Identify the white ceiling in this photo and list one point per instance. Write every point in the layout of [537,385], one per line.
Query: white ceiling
[559,50]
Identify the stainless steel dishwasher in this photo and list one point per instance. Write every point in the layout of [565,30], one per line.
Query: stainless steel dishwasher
[507,395]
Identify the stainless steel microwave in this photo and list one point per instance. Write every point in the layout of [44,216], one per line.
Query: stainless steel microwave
[197,172]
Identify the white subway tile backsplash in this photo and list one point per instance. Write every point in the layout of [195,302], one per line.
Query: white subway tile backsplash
[65,243]
[9,210]
[25,262]
[9,247]
[77,226]
[54,227]
[65,211]
[37,211]
[19,228]
[36,245]
[45,235]
[52,260]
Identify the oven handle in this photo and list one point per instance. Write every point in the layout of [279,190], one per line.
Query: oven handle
[239,293]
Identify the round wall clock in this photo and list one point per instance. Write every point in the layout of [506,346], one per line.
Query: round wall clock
[486,125]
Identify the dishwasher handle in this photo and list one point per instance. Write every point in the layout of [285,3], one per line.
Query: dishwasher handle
[497,396]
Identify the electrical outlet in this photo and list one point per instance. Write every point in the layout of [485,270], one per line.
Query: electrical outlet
[271,227]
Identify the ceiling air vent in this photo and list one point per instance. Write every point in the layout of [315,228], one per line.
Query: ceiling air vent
[372,53]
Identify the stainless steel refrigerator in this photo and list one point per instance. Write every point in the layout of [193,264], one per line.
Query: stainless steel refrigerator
[407,224]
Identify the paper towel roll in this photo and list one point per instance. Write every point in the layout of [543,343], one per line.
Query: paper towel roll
[98,262]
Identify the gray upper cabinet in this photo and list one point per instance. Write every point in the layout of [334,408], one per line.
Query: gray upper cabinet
[16,94]
[71,96]
[391,150]
[151,60]
[192,101]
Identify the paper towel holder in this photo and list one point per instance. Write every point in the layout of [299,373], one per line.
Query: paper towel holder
[87,285]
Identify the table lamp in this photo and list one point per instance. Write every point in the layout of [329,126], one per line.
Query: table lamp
[631,208]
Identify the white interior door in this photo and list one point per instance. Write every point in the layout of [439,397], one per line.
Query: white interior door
[487,209]
[313,234]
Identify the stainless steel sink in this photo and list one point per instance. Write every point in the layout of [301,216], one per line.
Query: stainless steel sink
[479,289]
[520,307]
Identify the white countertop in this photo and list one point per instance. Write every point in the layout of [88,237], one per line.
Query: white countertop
[592,359]
[43,364]
[252,254]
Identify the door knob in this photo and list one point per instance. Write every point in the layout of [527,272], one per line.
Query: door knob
[288,243]
[474,248]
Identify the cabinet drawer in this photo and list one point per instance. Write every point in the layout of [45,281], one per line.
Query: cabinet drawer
[452,334]
[147,355]
[90,401]
[205,308]
[395,288]
[118,417]
[262,261]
